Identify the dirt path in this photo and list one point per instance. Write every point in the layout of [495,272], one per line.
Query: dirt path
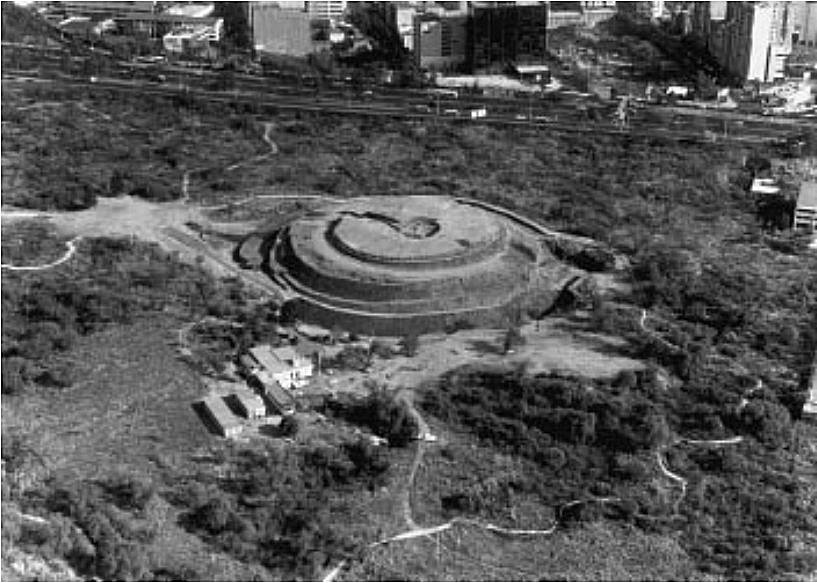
[69,253]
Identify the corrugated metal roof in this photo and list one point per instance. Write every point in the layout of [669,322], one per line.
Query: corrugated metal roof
[808,195]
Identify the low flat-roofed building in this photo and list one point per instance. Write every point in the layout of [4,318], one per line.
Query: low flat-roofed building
[283,364]
[221,417]
[250,405]
[277,396]
[805,213]
[533,73]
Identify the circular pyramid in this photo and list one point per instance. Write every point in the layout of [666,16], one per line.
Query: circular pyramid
[395,265]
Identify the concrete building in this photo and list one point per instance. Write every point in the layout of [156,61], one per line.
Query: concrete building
[56,11]
[333,10]
[751,40]
[280,31]
[277,396]
[440,41]
[221,417]
[404,15]
[597,11]
[158,25]
[561,14]
[804,16]
[503,34]
[805,213]
[283,365]
[649,10]
[193,39]
[250,405]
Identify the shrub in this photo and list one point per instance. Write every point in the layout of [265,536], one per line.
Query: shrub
[289,426]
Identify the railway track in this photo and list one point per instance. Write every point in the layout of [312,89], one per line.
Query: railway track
[753,131]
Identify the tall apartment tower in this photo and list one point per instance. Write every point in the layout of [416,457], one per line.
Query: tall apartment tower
[326,9]
[751,40]
[805,23]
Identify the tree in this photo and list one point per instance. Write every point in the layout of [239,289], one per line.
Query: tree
[378,21]
[513,339]
[236,26]
[289,426]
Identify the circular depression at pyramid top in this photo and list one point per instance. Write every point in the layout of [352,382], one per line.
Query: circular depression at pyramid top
[418,230]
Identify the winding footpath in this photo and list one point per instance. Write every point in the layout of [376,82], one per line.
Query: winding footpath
[69,253]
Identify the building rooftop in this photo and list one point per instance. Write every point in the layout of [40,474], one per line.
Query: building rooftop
[169,18]
[264,355]
[249,400]
[764,186]
[221,412]
[529,69]
[808,195]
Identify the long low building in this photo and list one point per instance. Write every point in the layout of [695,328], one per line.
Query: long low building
[221,417]
[805,214]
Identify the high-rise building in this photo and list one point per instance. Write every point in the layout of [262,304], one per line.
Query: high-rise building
[504,33]
[280,31]
[804,16]
[750,40]
[326,9]
[440,40]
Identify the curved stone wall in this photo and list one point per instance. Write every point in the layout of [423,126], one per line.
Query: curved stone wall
[388,265]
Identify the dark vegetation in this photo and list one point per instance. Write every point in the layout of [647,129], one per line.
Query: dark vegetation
[727,305]
[108,282]
[289,511]
[589,439]
[66,148]
[380,411]
[31,243]
[284,509]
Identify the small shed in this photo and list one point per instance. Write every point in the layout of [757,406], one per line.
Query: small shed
[250,405]
[221,417]
[805,214]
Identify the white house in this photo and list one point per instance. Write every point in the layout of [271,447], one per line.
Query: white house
[283,365]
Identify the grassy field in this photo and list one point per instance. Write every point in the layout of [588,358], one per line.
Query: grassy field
[130,409]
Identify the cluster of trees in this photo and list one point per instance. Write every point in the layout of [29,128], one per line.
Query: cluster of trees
[111,281]
[582,437]
[285,508]
[101,529]
[380,411]
[722,306]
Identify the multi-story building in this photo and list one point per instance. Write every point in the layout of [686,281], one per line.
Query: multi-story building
[597,11]
[804,16]
[56,11]
[649,10]
[326,9]
[504,33]
[750,40]
[561,14]
[280,31]
[440,41]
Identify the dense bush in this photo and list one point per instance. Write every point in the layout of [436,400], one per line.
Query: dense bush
[285,509]
[110,281]
[582,436]
[382,413]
